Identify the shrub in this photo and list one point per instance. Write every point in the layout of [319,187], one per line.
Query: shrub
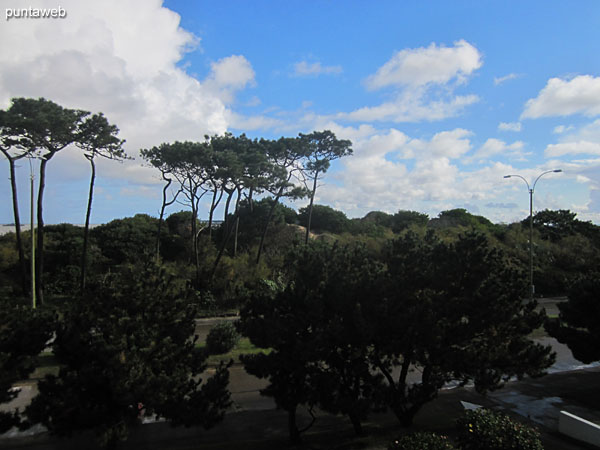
[485,429]
[221,338]
[421,441]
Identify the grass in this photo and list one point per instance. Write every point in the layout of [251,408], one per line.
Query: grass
[244,346]
[48,364]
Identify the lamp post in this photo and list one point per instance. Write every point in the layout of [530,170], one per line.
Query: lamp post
[531,189]
[32,177]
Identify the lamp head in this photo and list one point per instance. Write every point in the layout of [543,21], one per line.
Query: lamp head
[507,176]
[557,170]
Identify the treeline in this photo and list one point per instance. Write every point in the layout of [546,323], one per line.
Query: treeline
[564,247]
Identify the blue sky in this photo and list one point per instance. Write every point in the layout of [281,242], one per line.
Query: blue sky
[440,99]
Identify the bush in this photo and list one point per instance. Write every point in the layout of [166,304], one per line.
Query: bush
[421,441]
[221,338]
[484,429]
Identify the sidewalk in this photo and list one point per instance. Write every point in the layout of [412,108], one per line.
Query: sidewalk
[537,401]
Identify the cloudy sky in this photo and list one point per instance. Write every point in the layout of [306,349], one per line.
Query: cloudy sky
[440,99]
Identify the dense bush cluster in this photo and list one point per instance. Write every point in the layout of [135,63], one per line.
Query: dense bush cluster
[421,441]
[480,429]
[221,338]
[485,429]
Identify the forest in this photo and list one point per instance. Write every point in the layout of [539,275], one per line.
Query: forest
[343,308]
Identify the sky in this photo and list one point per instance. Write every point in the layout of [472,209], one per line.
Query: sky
[440,99]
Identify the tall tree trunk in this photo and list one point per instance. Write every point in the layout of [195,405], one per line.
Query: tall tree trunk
[39,262]
[213,205]
[250,200]
[310,207]
[15,204]
[235,237]
[227,203]
[404,370]
[356,423]
[194,236]
[162,215]
[237,222]
[266,228]
[292,427]
[228,230]
[86,228]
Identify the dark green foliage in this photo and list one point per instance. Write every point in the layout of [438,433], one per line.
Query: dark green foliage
[375,224]
[324,218]
[455,311]
[24,333]
[554,225]
[343,322]
[379,218]
[578,324]
[253,220]
[222,338]
[127,348]
[421,441]
[180,224]
[485,429]
[313,325]
[63,244]
[563,249]
[405,219]
[126,240]
[460,217]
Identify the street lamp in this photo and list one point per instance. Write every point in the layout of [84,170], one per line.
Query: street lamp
[32,176]
[530,189]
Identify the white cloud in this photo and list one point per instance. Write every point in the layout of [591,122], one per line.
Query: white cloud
[562,129]
[572,148]
[411,106]
[233,72]
[120,58]
[580,95]
[389,171]
[304,68]
[257,122]
[500,80]
[229,75]
[423,82]
[509,126]
[421,66]
[494,147]
[445,144]
[586,140]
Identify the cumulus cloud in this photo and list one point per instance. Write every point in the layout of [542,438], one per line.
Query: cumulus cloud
[304,68]
[121,58]
[494,147]
[390,170]
[509,126]
[572,148]
[423,81]
[229,75]
[502,205]
[411,106]
[586,140]
[434,64]
[560,97]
